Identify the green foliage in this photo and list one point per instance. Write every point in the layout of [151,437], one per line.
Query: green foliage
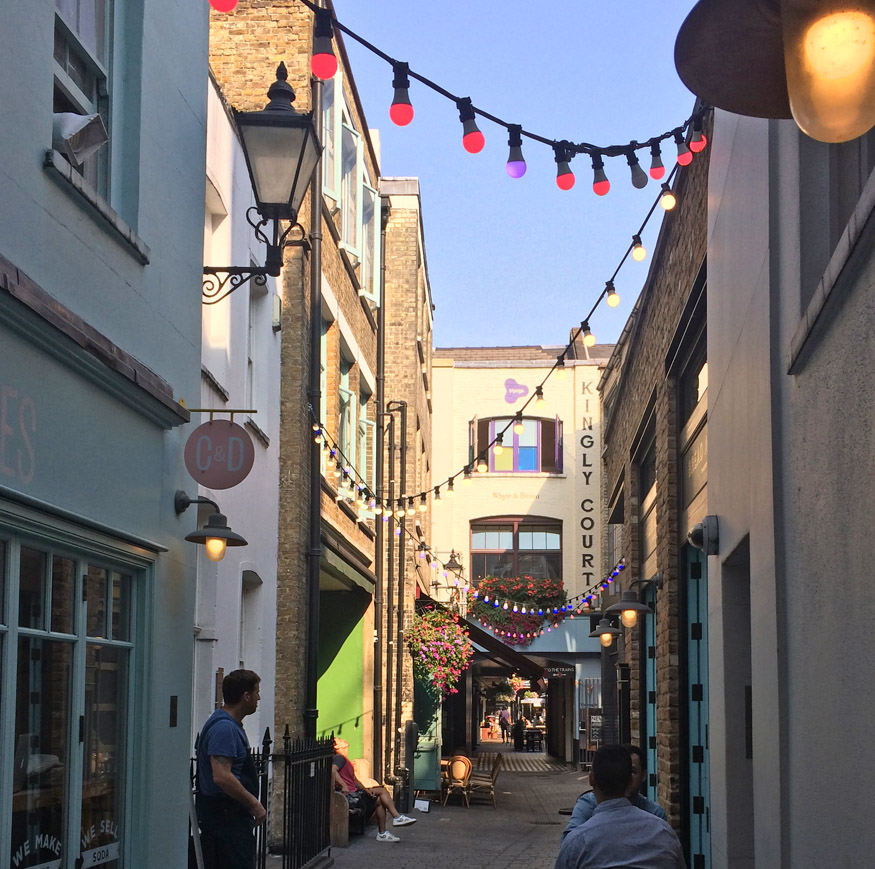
[441,650]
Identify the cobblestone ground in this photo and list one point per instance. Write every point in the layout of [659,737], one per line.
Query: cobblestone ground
[523,832]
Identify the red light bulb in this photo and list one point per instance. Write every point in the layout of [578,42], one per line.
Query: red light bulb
[324,64]
[657,168]
[223,5]
[564,176]
[472,139]
[685,155]
[401,112]
[565,179]
[600,183]
[697,145]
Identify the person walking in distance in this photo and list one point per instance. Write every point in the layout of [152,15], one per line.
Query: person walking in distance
[619,834]
[504,723]
[228,808]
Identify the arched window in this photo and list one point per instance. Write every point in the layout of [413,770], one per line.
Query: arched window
[536,449]
[516,546]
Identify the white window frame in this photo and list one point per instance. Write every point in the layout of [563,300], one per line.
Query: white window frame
[351,220]
[333,112]
[370,280]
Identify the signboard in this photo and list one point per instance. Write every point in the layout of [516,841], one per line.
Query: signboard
[219,454]
[594,722]
[566,672]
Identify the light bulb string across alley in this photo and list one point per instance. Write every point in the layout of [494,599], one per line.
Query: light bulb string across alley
[563,150]
[358,479]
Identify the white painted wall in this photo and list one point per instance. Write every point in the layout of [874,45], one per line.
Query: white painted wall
[236,330]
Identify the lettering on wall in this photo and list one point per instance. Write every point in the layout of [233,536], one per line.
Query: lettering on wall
[17,427]
[588,508]
[32,846]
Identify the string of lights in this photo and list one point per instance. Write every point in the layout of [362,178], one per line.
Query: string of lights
[401,112]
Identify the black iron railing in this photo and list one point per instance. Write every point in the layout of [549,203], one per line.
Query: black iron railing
[294,786]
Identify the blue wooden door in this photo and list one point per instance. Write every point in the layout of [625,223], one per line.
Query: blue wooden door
[649,695]
[696,567]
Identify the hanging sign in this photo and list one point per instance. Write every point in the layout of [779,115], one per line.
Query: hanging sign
[219,454]
[514,391]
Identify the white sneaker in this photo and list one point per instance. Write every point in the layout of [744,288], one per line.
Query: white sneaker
[403,821]
[386,836]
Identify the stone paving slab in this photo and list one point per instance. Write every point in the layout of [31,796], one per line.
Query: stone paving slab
[522,832]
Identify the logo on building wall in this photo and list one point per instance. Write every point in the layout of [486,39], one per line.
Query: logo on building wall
[219,454]
[514,391]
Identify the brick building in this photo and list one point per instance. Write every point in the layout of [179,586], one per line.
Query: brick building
[356,697]
[654,468]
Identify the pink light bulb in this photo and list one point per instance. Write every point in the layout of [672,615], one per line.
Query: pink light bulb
[601,186]
[223,5]
[473,140]
[698,144]
[401,112]
[565,177]
[323,63]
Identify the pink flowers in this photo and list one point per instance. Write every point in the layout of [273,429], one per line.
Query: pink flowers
[441,649]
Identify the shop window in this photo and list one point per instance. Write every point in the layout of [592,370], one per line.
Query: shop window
[367,435]
[693,383]
[67,653]
[506,547]
[537,448]
[345,412]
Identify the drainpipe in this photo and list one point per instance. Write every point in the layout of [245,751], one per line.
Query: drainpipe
[379,721]
[402,555]
[390,597]
[314,552]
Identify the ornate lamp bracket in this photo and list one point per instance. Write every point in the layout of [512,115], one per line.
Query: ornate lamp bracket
[220,281]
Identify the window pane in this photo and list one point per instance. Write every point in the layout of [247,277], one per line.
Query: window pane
[41,760]
[32,588]
[525,538]
[328,130]
[540,566]
[499,565]
[504,462]
[478,540]
[121,606]
[553,540]
[63,590]
[96,581]
[528,459]
[369,240]
[350,185]
[478,566]
[106,680]
[548,445]
[539,540]
[529,437]
[505,540]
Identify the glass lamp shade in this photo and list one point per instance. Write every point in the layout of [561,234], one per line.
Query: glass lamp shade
[629,609]
[605,632]
[829,57]
[216,536]
[282,151]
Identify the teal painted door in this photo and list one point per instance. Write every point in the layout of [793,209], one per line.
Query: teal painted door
[696,567]
[427,759]
[649,746]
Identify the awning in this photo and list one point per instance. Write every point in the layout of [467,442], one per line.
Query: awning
[502,653]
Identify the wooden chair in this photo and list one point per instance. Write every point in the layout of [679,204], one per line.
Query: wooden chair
[458,773]
[486,783]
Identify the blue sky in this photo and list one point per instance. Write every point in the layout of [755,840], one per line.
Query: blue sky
[519,261]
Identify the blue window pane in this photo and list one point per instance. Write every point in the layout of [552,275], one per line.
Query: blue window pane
[526,539]
[553,541]
[478,540]
[527,459]
[505,540]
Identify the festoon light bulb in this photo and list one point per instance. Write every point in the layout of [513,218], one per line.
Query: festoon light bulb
[401,110]
[516,163]
[323,63]
[472,139]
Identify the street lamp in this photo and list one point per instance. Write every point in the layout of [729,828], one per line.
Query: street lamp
[805,59]
[282,151]
[606,632]
[629,608]
[216,535]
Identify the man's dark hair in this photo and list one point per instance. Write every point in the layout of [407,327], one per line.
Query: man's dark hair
[237,683]
[612,769]
[635,749]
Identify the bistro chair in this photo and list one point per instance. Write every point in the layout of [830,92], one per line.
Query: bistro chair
[458,774]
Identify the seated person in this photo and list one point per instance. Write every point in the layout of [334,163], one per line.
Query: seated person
[372,798]
[585,805]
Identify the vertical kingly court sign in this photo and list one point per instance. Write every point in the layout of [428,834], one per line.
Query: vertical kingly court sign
[588,457]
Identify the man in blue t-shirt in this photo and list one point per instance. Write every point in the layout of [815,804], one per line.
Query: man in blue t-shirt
[585,805]
[228,808]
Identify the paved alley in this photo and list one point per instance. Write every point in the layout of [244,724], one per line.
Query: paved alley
[523,831]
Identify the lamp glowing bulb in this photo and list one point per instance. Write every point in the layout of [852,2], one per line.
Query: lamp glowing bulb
[423,504]
[482,465]
[698,140]
[629,618]
[639,252]
[539,397]
[613,297]
[519,426]
[668,200]
[472,139]
[498,449]
[606,639]
[451,492]
[560,367]
[215,548]
[588,337]
[223,5]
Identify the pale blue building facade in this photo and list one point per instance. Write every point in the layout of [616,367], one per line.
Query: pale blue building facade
[100,334]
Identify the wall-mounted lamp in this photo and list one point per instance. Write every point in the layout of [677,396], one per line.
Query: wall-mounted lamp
[453,564]
[606,632]
[216,535]
[805,59]
[282,151]
[629,608]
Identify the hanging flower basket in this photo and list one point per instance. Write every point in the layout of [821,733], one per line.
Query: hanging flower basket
[524,606]
[440,648]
